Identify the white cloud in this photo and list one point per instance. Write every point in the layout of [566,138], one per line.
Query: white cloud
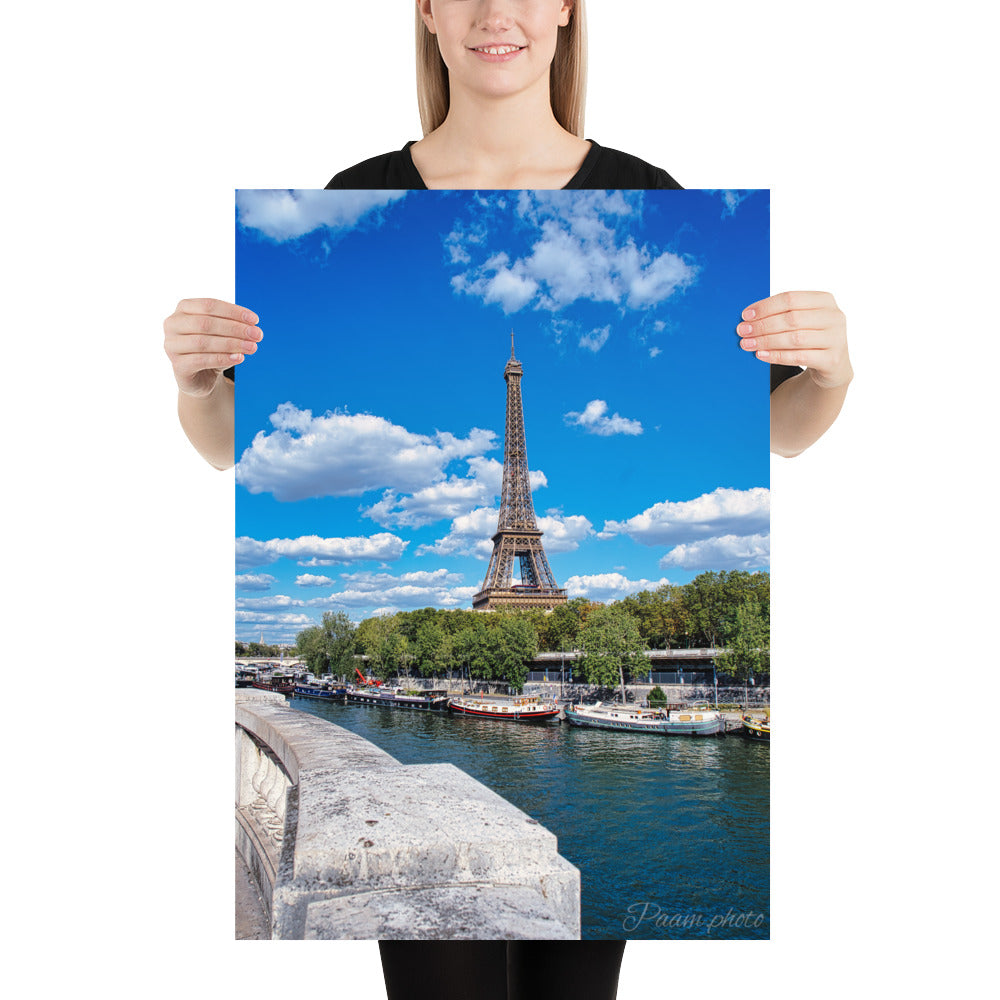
[725,552]
[448,499]
[471,534]
[339,454]
[286,215]
[722,512]
[580,251]
[255,581]
[255,618]
[731,200]
[421,589]
[378,581]
[309,580]
[311,550]
[654,352]
[609,586]
[595,420]
[596,339]
[273,603]
[563,533]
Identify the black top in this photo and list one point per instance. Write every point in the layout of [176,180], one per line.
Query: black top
[602,169]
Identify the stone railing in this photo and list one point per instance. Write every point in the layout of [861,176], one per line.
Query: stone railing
[346,842]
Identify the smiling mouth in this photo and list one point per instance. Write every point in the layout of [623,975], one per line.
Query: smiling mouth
[498,50]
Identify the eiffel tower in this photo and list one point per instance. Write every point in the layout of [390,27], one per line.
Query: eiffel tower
[518,536]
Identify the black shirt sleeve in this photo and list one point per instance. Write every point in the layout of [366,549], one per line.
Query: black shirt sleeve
[782,373]
[389,172]
[609,169]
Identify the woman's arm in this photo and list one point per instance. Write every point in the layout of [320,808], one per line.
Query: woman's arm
[202,338]
[208,422]
[806,329]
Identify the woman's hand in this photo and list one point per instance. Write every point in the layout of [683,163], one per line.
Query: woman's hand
[806,329]
[204,337]
[800,328]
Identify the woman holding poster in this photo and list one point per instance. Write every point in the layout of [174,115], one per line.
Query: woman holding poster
[501,92]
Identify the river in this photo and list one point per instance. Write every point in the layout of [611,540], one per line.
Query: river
[671,833]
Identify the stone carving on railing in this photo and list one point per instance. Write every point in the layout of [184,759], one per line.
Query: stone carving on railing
[269,783]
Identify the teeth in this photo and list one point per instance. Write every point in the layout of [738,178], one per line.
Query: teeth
[499,50]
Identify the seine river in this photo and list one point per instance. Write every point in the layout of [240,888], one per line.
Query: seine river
[671,834]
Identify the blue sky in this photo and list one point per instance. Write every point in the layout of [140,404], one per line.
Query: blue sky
[370,423]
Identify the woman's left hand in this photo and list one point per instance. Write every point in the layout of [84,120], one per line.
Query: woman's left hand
[800,328]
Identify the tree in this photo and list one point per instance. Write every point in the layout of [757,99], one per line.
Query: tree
[472,648]
[515,646]
[749,647]
[433,648]
[384,645]
[712,600]
[311,647]
[612,646]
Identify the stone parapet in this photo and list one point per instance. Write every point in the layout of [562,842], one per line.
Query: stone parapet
[346,842]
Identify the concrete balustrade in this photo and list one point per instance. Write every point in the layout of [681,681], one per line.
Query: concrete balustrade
[344,841]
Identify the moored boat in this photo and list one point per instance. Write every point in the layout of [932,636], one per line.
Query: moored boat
[756,729]
[524,709]
[245,677]
[282,683]
[600,716]
[398,697]
[698,720]
[320,690]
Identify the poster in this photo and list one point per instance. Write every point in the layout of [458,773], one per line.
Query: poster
[371,449]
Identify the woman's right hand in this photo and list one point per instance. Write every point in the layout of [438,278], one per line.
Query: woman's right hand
[204,337]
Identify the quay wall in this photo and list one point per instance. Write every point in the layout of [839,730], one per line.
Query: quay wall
[345,842]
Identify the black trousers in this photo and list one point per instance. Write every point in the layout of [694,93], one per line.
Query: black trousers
[501,970]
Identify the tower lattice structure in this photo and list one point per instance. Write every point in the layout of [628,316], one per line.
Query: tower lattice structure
[518,537]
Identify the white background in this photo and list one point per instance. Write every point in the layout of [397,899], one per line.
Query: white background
[127,128]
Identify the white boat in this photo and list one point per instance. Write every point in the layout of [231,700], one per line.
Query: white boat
[615,716]
[698,720]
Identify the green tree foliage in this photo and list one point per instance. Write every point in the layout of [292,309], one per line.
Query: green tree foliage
[711,601]
[612,646]
[560,630]
[310,645]
[472,649]
[515,645]
[385,645]
[329,647]
[656,614]
[749,646]
[338,635]
[433,648]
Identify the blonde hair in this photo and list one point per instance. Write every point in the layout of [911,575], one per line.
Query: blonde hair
[567,75]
